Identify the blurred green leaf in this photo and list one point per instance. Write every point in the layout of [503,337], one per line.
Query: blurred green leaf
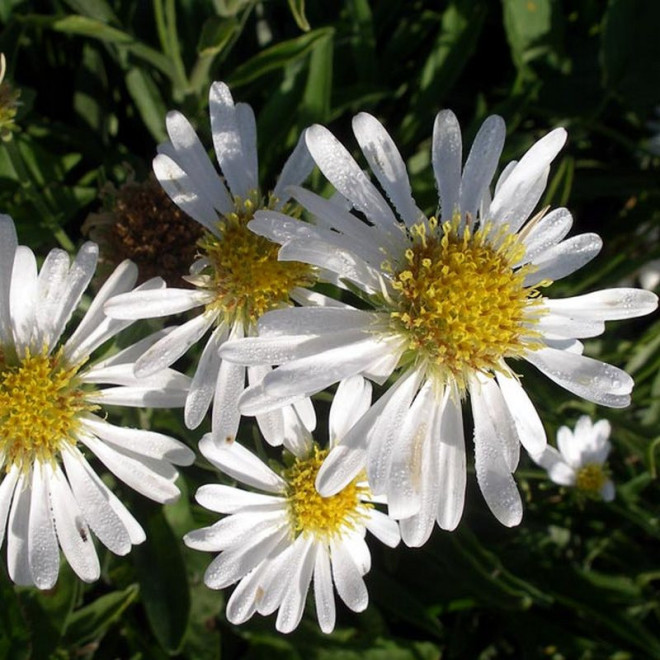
[315,105]
[298,10]
[92,621]
[148,101]
[277,57]
[163,583]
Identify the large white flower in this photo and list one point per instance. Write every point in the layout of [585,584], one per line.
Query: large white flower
[273,543]
[580,461]
[237,277]
[452,301]
[51,407]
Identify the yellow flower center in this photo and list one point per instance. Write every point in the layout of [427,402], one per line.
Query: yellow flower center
[591,478]
[323,517]
[243,272]
[460,302]
[40,403]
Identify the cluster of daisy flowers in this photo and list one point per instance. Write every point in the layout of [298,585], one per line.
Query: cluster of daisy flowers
[436,309]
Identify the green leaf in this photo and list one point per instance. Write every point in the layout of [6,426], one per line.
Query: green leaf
[163,582]
[92,621]
[297,8]
[316,98]
[148,101]
[277,57]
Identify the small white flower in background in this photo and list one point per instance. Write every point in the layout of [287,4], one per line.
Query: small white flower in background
[580,461]
[51,406]
[237,276]
[452,302]
[273,543]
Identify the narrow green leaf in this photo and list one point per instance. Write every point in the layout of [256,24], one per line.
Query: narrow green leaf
[148,101]
[92,621]
[316,99]
[297,8]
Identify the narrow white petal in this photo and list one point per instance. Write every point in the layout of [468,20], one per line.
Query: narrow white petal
[93,498]
[481,164]
[540,236]
[386,163]
[241,464]
[349,582]
[154,304]
[528,423]
[558,470]
[279,575]
[293,321]
[148,443]
[348,178]
[523,204]
[324,596]
[247,127]
[153,479]
[569,446]
[124,374]
[44,555]
[296,169]
[383,528]
[227,499]
[139,397]
[493,473]
[291,609]
[8,245]
[242,604]
[447,156]
[18,562]
[188,193]
[73,533]
[235,161]
[559,326]
[591,379]
[23,296]
[52,279]
[607,492]
[351,400]
[172,346]
[606,305]
[6,496]
[564,258]
[203,383]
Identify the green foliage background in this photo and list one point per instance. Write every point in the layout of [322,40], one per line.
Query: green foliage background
[578,578]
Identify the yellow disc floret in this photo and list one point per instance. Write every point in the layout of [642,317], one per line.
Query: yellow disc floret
[591,478]
[243,272]
[39,408]
[323,517]
[460,303]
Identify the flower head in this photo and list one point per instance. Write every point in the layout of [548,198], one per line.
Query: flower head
[237,276]
[52,408]
[452,302]
[274,542]
[581,459]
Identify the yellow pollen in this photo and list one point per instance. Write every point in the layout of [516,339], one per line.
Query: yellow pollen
[322,517]
[459,301]
[40,403]
[243,272]
[591,478]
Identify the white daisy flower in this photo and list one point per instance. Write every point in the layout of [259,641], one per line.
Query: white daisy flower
[237,276]
[273,543]
[452,301]
[580,461]
[51,407]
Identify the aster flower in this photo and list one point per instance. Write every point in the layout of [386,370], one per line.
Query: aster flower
[452,301]
[237,276]
[52,406]
[275,542]
[580,461]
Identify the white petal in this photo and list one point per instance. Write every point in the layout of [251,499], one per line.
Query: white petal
[148,443]
[294,321]
[606,305]
[8,245]
[558,471]
[241,464]
[23,297]
[52,279]
[607,491]
[154,304]
[447,156]
[18,563]
[591,379]
[349,582]
[324,596]
[203,383]
[243,602]
[235,158]
[73,532]
[172,346]
[351,400]
[187,192]
[481,164]
[493,472]
[151,478]
[291,609]
[227,499]
[383,528]
[296,169]
[564,258]
[537,237]
[44,555]
[6,496]
[139,397]
[386,163]
[528,423]
[348,178]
